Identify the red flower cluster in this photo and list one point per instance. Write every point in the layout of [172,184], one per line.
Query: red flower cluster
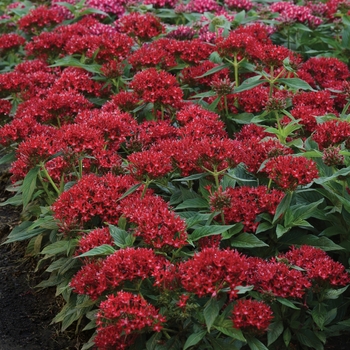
[320,268]
[290,13]
[93,239]
[278,279]
[211,270]
[120,319]
[158,87]
[239,5]
[92,198]
[127,264]
[141,26]
[289,172]
[157,225]
[251,315]
[39,18]
[150,163]
[331,133]
[244,204]
[324,72]
[10,42]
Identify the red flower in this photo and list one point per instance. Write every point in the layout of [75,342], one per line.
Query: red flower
[244,204]
[120,319]
[331,133]
[211,270]
[92,197]
[142,26]
[251,315]
[289,172]
[320,268]
[93,239]
[325,72]
[39,18]
[278,279]
[10,42]
[150,163]
[158,87]
[157,224]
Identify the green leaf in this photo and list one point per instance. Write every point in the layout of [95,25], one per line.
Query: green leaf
[287,303]
[237,228]
[250,83]
[191,177]
[104,249]
[8,158]
[22,233]
[299,212]
[131,190]
[222,344]
[309,339]
[287,336]
[283,206]
[281,230]
[70,61]
[226,328]
[213,70]
[214,104]
[193,203]
[256,344]
[206,231]
[57,248]
[16,201]
[274,331]
[210,312]
[320,242]
[334,293]
[194,339]
[29,185]
[247,240]
[122,238]
[295,83]
[318,314]
[153,341]
[194,219]
[263,226]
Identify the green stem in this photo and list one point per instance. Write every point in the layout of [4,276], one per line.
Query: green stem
[146,183]
[226,106]
[235,66]
[80,168]
[50,179]
[272,81]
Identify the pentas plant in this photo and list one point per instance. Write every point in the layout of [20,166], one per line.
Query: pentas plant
[183,167]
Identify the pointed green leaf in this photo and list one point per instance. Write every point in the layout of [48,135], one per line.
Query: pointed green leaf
[250,83]
[194,339]
[274,331]
[29,185]
[256,344]
[287,302]
[193,203]
[226,327]
[210,312]
[247,240]
[104,249]
[213,70]
[121,238]
[296,83]
[206,231]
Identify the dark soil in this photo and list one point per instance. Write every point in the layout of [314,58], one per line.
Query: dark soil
[26,313]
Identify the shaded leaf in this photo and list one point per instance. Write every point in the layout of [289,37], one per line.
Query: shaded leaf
[194,339]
